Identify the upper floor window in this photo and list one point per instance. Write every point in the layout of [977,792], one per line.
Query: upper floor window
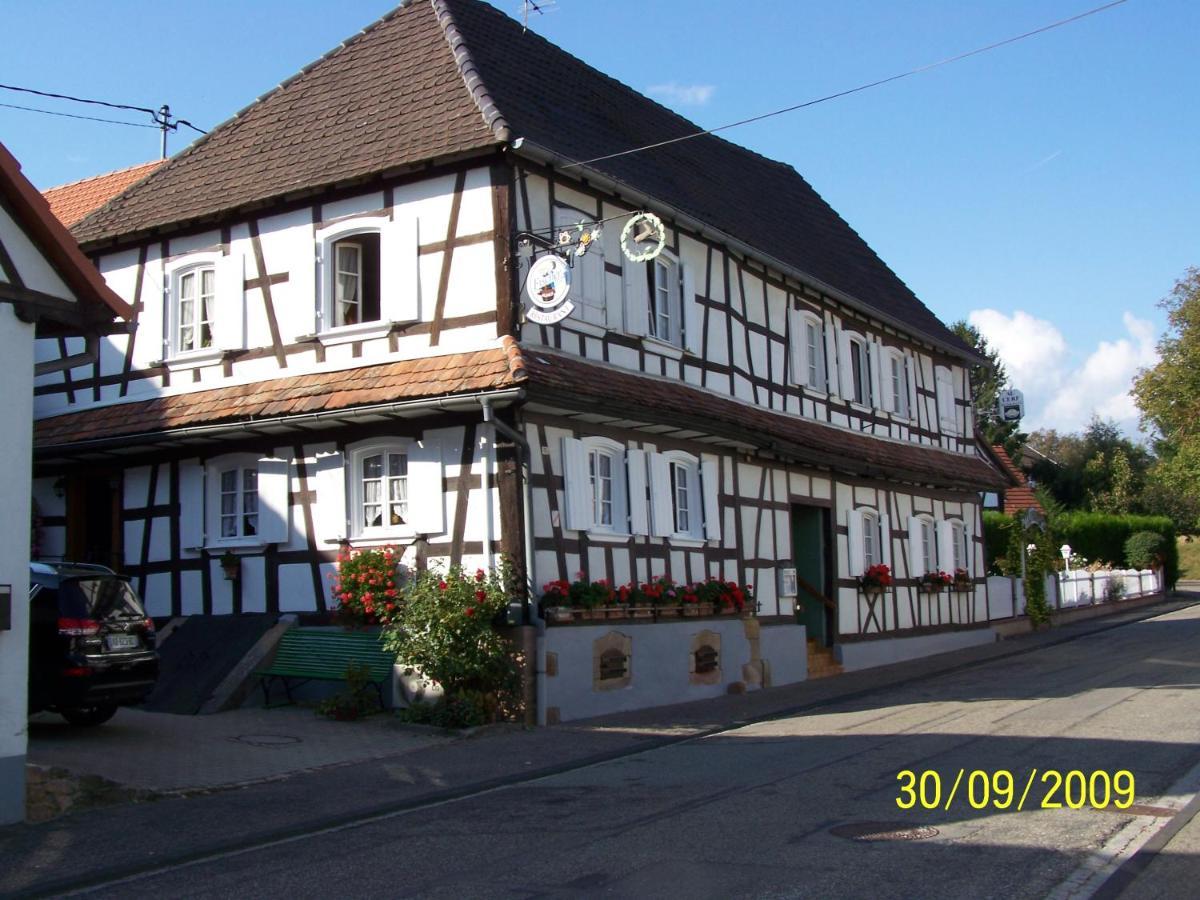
[860,371]
[895,382]
[808,352]
[369,274]
[664,300]
[204,310]
[356,280]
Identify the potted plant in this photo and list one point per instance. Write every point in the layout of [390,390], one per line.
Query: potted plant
[962,580]
[556,601]
[365,587]
[935,581]
[231,565]
[876,579]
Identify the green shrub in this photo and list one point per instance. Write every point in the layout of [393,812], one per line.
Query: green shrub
[465,710]
[1102,536]
[358,700]
[996,530]
[1145,550]
[446,630]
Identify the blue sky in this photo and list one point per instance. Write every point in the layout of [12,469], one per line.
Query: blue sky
[1047,190]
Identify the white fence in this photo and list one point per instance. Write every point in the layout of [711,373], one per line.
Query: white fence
[1067,590]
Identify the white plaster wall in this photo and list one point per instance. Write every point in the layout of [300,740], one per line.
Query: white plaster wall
[16,410]
[868,654]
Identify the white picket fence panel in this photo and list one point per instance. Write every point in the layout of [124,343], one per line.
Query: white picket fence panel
[1067,590]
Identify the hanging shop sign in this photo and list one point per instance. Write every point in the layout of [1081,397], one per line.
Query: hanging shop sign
[547,285]
[643,237]
[1011,404]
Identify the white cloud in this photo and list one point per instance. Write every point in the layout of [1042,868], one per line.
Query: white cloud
[1061,392]
[683,94]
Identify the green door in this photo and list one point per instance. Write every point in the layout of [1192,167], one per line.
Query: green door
[809,550]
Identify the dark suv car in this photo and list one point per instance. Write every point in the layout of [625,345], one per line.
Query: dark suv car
[91,644]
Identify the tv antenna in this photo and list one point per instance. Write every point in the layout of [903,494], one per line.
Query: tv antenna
[541,7]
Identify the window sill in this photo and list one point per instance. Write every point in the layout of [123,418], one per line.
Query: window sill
[661,347]
[194,360]
[608,537]
[235,544]
[686,541]
[381,538]
[346,334]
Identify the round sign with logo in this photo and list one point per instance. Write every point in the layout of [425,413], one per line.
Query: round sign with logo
[547,284]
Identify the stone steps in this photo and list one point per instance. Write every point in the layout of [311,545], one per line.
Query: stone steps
[821,661]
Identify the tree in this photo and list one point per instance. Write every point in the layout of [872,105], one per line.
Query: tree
[987,381]
[1168,395]
[1099,470]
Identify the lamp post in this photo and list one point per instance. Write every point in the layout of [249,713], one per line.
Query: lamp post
[1065,550]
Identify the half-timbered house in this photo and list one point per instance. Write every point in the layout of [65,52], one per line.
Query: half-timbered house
[333,345]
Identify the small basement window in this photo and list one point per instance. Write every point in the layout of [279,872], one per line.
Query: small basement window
[613,665]
[707,659]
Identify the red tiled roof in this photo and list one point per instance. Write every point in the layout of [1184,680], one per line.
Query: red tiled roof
[71,202]
[33,216]
[573,383]
[1018,496]
[439,78]
[435,376]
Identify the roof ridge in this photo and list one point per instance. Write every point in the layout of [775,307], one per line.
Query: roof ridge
[79,181]
[492,114]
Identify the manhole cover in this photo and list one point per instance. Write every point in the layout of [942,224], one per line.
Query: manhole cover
[883,831]
[266,740]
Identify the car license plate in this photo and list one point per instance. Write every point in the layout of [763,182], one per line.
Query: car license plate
[122,641]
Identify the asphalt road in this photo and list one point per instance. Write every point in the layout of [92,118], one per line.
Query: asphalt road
[751,812]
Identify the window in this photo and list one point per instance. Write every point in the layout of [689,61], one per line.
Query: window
[684,497]
[870,539]
[958,545]
[599,477]
[664,300]
[239,502]
[369,275]
[895,382]
[860,372]
[808,352]
[922,546]
[204,313]
[195,299]
[384,493]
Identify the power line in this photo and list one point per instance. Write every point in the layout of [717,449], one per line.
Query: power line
[50,112]
[25,90]
[855,90]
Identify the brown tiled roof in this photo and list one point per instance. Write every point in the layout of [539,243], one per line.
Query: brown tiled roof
[1018,496]
[436,376]
[98,301]
[572,383]
[440,77]
[71,202]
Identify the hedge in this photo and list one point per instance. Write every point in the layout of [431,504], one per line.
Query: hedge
[995,537]
[1102,537]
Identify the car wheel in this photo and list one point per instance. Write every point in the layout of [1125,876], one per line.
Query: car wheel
[89,715]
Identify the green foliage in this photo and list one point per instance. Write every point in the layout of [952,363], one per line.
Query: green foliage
[1168,395]
[1102,537]
[1188,549]
[996,529]
[1145,550]
[464,710]
[1038,563]
[1099,470]
[358,700]
[987,381]
[445,629]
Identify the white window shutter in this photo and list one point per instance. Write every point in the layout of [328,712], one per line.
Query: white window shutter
[330,520]
[637,297]
[945,546]
[273,489]
[831,360]
[635,472]
[916,556]
[577,485]
[693,315]
[323,293]
[191,505]
[426,499]
[229,320]
[876,379]
[885,541]
[399,272]
[910,375]
[710,482]
[845,366]
[854,541]
[662,504]
[796,347]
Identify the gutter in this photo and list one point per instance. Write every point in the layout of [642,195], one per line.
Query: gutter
[526,147]
[456,403]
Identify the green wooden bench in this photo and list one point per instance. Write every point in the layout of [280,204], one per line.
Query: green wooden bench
[317,654]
